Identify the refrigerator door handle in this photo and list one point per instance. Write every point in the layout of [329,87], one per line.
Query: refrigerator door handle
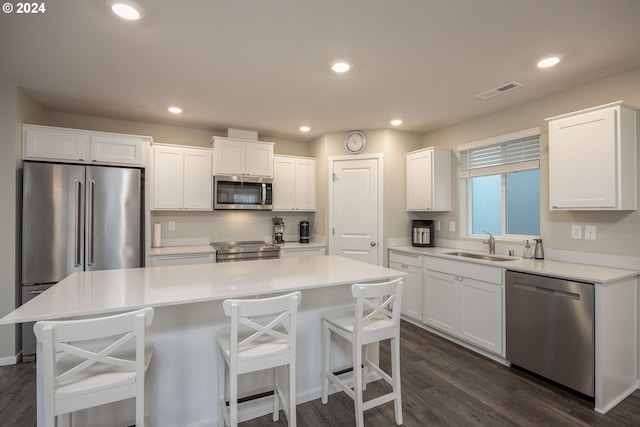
[90,224]
[78,220]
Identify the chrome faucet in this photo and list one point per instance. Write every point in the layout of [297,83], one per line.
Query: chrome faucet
[491,242]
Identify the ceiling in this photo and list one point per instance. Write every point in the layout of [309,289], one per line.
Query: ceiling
[264,64]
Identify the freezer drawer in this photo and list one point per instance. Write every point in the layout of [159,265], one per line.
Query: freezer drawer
[28,337]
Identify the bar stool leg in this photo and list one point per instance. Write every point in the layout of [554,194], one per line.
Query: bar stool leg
[221,404]
[326,354]
[395,373]
[233,397]
[276,400]
[292,396]
[357,382]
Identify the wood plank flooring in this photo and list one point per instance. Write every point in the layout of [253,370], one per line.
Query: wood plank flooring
[443,384]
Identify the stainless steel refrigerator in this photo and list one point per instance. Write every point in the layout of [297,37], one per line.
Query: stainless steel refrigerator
[77,218]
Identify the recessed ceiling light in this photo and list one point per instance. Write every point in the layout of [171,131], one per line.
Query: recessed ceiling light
[341,66]
[548,62]
[396,122]
[175,110]
[127,9]
[305,128]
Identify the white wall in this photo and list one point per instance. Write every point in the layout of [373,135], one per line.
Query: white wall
[160,133]
[618,233]
[393,145]
[8,225]
[15,107]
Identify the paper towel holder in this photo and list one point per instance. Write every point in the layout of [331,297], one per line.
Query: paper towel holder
[157,235]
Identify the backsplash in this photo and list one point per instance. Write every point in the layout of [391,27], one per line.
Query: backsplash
[222,226]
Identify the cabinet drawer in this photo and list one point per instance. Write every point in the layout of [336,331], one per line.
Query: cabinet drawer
[182,259]
[465,269]
[301,252]
[404,258]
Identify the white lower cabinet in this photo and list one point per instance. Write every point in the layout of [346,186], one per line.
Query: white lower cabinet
[298,252]
[182,259]
[440,303]
[412,289]
[465,300]
[481,314]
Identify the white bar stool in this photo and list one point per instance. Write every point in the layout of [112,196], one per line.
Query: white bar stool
[91,362]
[374,317]
[262,335]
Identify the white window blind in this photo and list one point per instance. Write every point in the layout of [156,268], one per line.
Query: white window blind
[509,156]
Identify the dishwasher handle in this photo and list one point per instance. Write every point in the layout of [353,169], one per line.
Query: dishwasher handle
[545,290]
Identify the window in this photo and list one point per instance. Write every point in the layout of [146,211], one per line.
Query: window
[500,183]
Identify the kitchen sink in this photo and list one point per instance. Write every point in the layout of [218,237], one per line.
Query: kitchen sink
[483,257]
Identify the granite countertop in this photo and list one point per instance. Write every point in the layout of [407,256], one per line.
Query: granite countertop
[566,270]
[111,291]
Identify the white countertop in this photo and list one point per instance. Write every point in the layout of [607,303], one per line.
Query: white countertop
[567,270]
[109,291]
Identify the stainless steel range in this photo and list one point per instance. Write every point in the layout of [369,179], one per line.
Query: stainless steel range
[245,251]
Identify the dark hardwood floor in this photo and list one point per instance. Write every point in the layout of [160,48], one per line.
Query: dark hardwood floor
[443,384]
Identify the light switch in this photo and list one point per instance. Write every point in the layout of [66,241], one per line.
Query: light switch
[576,231]
[172,226]
[590,232]
[452,226]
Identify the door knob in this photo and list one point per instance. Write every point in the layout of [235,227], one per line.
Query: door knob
[373,243]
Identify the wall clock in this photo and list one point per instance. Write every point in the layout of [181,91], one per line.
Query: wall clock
[355,141]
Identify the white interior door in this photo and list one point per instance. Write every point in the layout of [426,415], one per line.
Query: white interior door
[356,208]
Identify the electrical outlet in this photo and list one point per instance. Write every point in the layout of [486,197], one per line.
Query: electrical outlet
[437,225]
[452,226]
[590,232]
[576,231]
[172,226]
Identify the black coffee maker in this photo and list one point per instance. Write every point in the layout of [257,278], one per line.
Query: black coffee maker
[304,231]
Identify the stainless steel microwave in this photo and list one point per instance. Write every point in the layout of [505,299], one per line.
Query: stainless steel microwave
[241,192]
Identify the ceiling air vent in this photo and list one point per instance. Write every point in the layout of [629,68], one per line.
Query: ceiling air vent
[498,90]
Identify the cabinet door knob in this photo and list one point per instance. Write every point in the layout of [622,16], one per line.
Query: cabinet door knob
[373,244]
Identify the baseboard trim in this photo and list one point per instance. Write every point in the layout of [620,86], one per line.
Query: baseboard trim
[11,360]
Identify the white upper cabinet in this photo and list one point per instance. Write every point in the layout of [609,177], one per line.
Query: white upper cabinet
[429,180]
[182,178]
[47,143]
[294,183]
[240,157]
[592,159]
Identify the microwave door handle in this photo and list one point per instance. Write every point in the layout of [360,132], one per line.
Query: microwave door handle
[264,194]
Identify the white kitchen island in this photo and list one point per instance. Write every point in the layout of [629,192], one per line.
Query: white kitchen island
[182,383]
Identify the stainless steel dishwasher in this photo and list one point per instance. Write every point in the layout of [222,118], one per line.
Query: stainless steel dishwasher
[550,328]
